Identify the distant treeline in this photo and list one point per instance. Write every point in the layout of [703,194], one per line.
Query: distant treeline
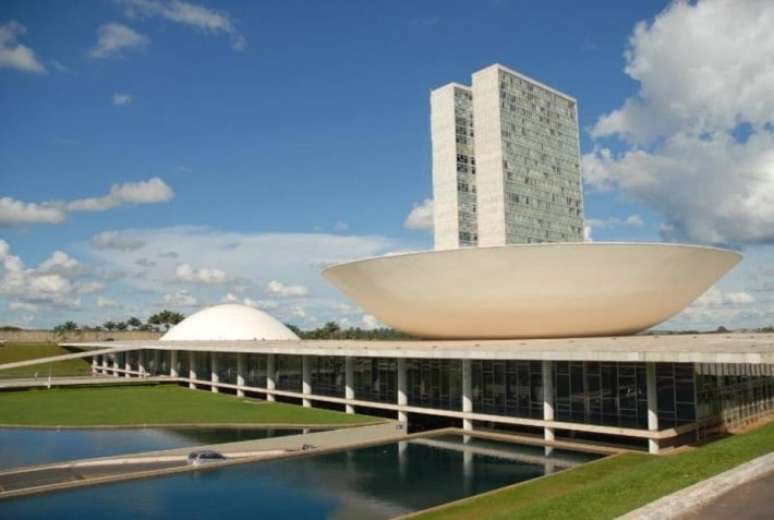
[332,330]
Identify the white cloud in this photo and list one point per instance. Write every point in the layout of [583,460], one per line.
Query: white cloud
[116,241]
[14,55]
[285,291]
[61,263]
[208,20]
[122,99]
[205,275]
[35,285]
[152,191]
[611,222]
[370,322]
[22,306]
[90,287]
[705,72]
[258,304]
[252,260]
[421,216]
[103,303]
[181,298]
[114,38]
[14,212]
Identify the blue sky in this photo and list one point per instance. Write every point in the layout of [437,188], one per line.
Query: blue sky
[282,136]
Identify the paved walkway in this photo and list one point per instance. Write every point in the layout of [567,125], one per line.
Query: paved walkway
[751,501]
[42,382]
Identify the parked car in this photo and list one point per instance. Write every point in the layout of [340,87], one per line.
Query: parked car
[197,458]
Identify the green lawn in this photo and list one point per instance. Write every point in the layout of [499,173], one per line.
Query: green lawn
[611,487]
[157,404]
[11,352]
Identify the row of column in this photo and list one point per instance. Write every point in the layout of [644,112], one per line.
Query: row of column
[402,390]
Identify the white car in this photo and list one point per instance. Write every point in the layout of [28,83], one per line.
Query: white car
[197,458]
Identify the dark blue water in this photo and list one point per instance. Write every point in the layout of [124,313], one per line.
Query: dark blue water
[368,483]
[22,447]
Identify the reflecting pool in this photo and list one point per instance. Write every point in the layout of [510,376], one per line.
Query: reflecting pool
[26,446]
[366,483]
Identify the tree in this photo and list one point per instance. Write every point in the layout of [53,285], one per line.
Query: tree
[166,318]
[109,325]
[134,322]
[121,325]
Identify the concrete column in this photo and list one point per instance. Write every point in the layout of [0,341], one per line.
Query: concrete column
[467,392]
[548,403]
[105,364]
[192,370]
[240,374]
[94,362]
[173,363]
[116,365]
[650,369]
[127,364]
[402,389]
[349,382]
[214,372]
[141,362]
[271,372]
[306,379]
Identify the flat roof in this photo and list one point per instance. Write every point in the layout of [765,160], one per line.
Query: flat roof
[747,348]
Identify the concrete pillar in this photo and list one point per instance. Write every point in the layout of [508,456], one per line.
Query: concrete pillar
[173,364]
[116,365]
[271,373]
[306,379]
[191,370]
[105,364]
[127,364]
[548,403]
[214,372]
[402,389]
[349,382]
[240,374]
[467,392]
[141,362]
[94,361]
[650,369]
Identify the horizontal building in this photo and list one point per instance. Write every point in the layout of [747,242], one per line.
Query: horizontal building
[656,390]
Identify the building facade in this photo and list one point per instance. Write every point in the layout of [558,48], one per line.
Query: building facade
[506,162]
[658,392]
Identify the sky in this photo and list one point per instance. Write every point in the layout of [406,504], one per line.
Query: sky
[171,154]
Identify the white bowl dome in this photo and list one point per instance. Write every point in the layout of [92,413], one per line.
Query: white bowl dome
[228,322]
[532,290]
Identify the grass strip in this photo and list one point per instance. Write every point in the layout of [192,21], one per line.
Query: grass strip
[613,486]
[158,404]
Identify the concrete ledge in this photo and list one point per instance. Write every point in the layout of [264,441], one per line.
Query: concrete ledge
[684,501]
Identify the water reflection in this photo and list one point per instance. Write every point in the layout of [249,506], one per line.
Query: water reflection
[374,482]
[22,446]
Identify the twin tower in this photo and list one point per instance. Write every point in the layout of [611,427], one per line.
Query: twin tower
[506,162]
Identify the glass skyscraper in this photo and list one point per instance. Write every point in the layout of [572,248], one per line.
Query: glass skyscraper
[506,162]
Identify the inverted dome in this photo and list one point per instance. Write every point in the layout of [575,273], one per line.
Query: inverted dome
[532,290]
[228,322]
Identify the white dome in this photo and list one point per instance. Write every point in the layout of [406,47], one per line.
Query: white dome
[228,322]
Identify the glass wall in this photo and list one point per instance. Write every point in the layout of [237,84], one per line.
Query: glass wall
[434,383]
[376,379]
[328,375]
[255,370]
[227,367]
[288,372]
[203,365]
[734,393]
[512,388]
[182,363]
